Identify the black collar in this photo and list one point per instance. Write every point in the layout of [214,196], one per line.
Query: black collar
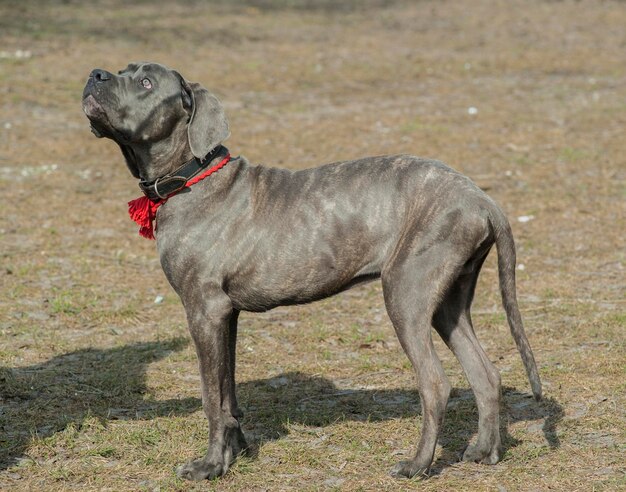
[162,187]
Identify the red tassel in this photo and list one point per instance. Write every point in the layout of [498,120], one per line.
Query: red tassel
[143,211]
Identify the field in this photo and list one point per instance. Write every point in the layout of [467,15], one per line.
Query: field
[99,388]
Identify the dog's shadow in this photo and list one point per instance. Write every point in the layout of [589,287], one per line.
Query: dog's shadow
[110,384]
[271,405]
[107,384]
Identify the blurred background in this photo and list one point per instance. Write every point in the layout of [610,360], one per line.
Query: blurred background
[99,384]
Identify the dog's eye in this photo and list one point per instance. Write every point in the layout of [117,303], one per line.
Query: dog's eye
[146,83]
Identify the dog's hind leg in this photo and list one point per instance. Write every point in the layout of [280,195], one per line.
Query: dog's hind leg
[454,324]
[415,280]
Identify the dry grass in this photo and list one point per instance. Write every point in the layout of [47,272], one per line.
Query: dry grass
[99,389]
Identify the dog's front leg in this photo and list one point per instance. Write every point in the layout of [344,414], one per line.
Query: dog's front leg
[211,319]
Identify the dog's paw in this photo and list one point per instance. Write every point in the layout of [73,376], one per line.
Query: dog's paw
[480,454]
[408,469]
[199,469]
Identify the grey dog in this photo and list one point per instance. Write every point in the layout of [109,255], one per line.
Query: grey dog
[250,238]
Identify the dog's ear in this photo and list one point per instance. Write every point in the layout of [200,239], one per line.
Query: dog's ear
[207,126]
[131,161]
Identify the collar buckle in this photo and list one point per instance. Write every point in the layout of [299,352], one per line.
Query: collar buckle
[164,186]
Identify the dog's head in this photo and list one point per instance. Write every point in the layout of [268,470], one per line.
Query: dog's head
[147,105]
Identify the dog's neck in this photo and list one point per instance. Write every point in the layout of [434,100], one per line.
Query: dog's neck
[156,159]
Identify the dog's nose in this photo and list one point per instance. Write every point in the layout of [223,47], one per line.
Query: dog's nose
[100,75]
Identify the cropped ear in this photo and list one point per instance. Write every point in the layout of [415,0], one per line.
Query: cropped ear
[207,126]
[131,162]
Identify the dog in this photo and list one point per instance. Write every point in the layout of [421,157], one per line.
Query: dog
[250,238]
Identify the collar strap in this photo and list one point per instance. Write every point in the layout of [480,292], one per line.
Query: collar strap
[164,186]
[143,210]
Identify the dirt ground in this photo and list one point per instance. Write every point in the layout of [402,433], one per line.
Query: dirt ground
[98,379]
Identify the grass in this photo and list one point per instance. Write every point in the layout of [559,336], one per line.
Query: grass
[99,388]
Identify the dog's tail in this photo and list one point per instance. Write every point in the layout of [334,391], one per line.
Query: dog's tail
[506,271]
